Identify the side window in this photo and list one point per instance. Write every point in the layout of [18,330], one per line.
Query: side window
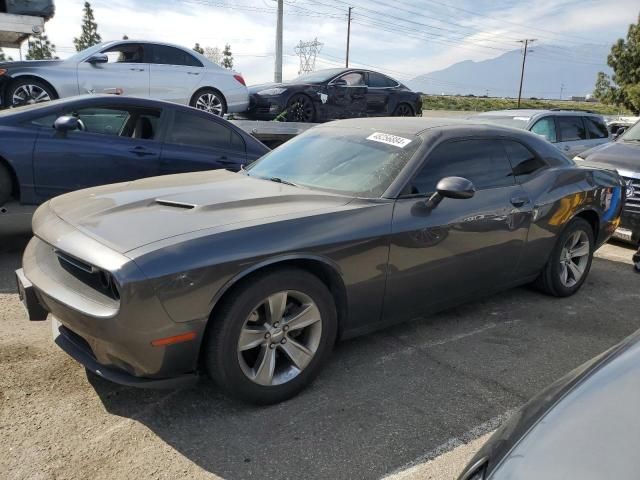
[354,79]
[126,53]
[571,129]
[596,128]
[103,121]
[195,130]
[377,80]
[547,128]
[46,121]
[484,162]
[165,55]
[523,162]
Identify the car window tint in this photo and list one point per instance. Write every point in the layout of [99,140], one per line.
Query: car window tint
[165,55]
[353,79]
[126,53]
[596,128]
[46,121]
[484,162]
[377,80]
[571,129]
[195,130]
[545,127]
[103,121]
[523,161]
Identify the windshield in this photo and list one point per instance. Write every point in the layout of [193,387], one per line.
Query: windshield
[632,135]
[352,162]
[317,77]
[513,122]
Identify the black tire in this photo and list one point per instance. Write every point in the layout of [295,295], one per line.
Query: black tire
[221,355]
[550,281]
[17,87]
[300,108]
[404,110]
[200,101]
[6,185]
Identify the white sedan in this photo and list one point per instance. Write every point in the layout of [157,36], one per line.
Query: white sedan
[137,68]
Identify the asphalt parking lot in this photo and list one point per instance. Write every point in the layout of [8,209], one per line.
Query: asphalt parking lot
[385,402]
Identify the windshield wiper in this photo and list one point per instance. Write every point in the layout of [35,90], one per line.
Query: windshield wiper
[286,182]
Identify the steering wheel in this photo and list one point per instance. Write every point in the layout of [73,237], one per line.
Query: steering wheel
[81,126]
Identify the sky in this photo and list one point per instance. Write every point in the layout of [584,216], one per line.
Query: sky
[403,38]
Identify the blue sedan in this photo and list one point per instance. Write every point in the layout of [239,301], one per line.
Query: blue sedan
[64,145]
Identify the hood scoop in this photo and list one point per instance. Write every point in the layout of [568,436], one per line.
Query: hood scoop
[174,204]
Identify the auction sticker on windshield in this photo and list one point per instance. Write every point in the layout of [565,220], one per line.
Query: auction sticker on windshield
[389,139]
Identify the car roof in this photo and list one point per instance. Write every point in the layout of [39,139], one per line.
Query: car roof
[532,112]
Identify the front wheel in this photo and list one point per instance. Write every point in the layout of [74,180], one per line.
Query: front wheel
[210,101]
[570,261]
[404,110]
[28,92]
[271,336]
[300,109]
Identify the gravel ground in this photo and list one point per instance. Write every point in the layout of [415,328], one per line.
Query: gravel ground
[389,403]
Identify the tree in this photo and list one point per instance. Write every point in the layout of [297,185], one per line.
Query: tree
[214,54]
[89,36]
[198,49]
[227,57]
[125,37]
[40,48]
[623,88]
[4,58]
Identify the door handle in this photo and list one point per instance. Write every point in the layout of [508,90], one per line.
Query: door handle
[519,201]
[141,151]
[193,73]
[137,69]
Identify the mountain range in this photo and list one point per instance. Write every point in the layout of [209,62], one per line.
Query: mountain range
[550,72]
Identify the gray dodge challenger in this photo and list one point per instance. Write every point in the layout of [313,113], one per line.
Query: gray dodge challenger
[352,226]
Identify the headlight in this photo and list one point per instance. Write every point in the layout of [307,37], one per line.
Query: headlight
[578,158]
[272,91]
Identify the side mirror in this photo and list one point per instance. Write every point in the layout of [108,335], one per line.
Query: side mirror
[452,187]
[66,123]
[619,132]
[98,58]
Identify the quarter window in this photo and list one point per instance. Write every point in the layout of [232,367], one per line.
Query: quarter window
[596,128]
[165,55]
[195,130]
[547,128]
[484,162]
[377,80]
[523,161]
[571,129]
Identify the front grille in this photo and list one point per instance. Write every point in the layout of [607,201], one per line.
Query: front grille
[632,204]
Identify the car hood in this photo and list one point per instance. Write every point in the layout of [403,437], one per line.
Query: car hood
[126,216]
[29,63]
[264,86]
[618,155]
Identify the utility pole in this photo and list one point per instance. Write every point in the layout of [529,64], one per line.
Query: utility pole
[561,90]
[277,76]
[524,59]
[348,36]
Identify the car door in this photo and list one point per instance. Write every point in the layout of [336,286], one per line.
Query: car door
[174,73]
[572,135]
[461,247]
[596,130]
[346,96]
[197,141]
[379,88]
[126,72]
[114,144]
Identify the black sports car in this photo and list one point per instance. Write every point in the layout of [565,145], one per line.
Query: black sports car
[332,94]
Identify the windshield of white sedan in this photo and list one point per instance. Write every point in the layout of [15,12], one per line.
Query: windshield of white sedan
[633,134]
[360,163]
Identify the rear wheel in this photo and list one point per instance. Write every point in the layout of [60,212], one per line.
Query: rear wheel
[404,110]
[300,109]
[570,261]
[6,185]
[271,337]
[29,91]
[210,101]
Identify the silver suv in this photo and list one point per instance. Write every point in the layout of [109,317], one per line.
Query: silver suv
[572,131]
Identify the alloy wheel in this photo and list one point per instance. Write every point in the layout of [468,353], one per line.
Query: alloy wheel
[279,338]
[209,102]
[574,258]
[300,109]
[404,110]
[29,94]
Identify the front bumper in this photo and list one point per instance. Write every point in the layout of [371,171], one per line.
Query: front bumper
[4,83]
[265,107]
[116,335]
[631,221]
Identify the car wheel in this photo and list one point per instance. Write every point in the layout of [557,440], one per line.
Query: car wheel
[211,101]
[271,336]
[570,261]
[300,109]
[404,110]
[5,185]
[29,91]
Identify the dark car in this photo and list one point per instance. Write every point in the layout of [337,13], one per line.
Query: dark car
[64,145]
[622,155]
[350,227]
[332,94]
[585,426]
